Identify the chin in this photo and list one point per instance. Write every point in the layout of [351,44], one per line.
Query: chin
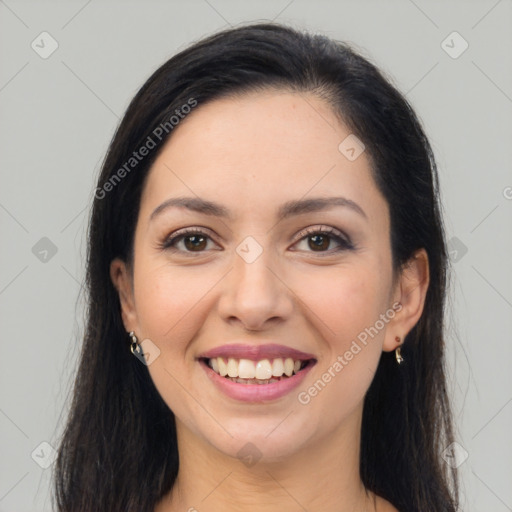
[267,443]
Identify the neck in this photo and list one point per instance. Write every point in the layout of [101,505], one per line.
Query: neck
[324,476]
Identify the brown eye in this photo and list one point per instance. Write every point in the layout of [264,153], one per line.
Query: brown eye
[188,241]
[319,242]
[324,241]
[195,242]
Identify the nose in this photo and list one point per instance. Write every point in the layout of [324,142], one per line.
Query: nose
[254,294]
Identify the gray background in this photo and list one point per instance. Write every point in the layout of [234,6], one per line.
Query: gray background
[59,113]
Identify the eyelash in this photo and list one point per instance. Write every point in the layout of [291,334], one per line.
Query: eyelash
[343,241]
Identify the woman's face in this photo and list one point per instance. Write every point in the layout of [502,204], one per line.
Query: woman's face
[253,276]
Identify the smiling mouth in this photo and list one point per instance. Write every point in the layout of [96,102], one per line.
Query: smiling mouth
[265,371]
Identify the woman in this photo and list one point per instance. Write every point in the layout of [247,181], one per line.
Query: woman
[266,239]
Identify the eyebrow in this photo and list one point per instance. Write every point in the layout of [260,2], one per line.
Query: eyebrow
[288,209]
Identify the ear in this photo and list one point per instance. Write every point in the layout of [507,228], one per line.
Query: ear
[410,292]
[122,279]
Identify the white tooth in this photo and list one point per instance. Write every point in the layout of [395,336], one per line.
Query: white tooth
[288,366]
[277,367]
[263,369]
[232,367]
[223,369]
[246,369]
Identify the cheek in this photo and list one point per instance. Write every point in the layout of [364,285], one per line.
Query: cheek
[171,303]
[344,300]
[346,303]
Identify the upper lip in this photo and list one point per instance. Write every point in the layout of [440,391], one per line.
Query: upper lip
[256,352]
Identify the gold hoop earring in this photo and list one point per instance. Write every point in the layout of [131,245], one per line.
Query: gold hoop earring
[398,355]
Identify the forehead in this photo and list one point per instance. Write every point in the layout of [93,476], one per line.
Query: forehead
[258,150]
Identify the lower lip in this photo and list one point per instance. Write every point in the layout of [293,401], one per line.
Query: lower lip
[256,392]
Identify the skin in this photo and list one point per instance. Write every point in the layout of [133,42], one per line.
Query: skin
[252,154]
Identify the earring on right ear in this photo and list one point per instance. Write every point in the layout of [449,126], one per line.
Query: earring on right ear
[398,355]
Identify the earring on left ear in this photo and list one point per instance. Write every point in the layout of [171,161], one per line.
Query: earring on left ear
[398,355]
[134,345]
